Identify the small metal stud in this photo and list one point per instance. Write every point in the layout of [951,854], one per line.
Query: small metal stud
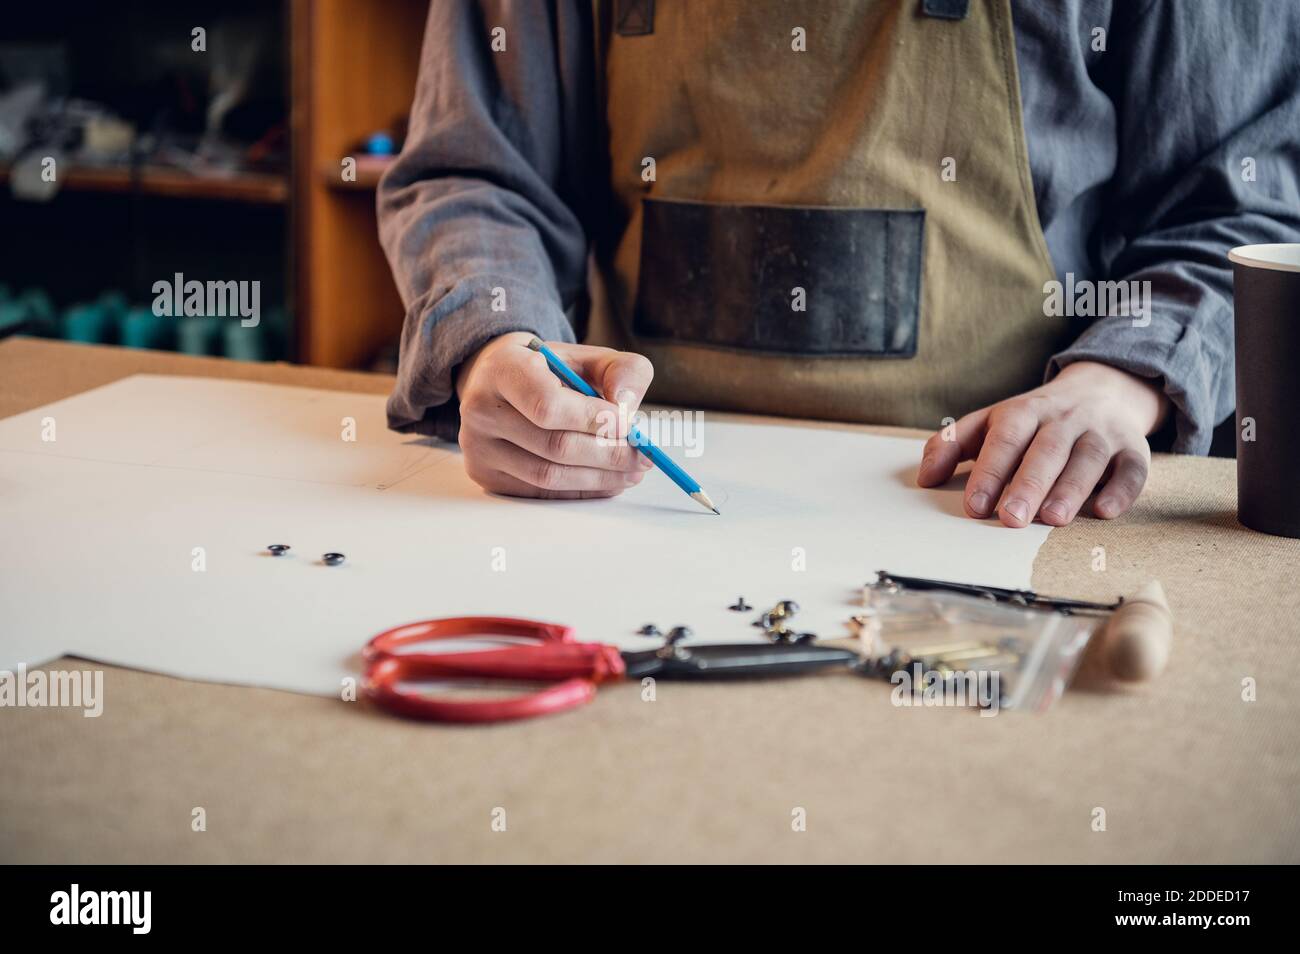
[670,649]
[333,559]
[278,549]
[740,606]
[678,633]
[649,629]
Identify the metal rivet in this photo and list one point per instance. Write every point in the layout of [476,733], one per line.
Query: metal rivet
[740,606]
[333,559]
[278,549]
[649,629]
[678,633]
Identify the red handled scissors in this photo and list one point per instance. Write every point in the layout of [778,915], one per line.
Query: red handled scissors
[549,653]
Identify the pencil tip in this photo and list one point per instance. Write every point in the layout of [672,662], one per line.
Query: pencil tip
[701,498]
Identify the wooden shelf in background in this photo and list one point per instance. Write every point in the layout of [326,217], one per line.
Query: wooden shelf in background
[368,175]
[253,187]
[354,69]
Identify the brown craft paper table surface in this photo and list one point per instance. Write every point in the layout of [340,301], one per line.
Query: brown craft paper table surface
[1185,769]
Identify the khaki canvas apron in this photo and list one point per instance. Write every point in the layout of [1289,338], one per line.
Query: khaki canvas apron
[847,231]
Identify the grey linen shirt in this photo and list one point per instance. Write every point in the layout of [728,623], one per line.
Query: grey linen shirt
[1140,153]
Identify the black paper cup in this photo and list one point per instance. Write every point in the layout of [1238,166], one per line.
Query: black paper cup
[1266,289]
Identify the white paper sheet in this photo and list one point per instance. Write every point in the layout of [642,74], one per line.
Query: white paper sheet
[99,530]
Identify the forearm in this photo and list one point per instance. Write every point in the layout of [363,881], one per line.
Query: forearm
[473,214]
[1208,98]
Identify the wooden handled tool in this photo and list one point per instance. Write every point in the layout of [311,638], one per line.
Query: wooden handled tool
[1135,642]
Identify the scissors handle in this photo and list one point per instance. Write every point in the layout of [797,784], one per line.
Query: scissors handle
[552,654]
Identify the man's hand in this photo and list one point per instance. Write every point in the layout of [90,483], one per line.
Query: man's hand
[1043,453]
[525,434]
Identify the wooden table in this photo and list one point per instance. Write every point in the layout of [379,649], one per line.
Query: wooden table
[1185,769]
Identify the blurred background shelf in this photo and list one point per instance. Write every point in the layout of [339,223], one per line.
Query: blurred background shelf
[367,177]
[317,82]
[254,187]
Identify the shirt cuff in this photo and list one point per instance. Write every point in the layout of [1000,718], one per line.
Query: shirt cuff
[454,327]
[1167,351]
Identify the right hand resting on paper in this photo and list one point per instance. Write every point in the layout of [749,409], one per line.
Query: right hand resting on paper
[525,434]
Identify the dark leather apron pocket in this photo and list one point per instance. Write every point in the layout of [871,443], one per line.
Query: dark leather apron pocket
[733,276]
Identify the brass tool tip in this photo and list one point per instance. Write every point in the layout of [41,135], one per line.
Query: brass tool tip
[535,344]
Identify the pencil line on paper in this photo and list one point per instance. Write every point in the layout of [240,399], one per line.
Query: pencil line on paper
[419,470]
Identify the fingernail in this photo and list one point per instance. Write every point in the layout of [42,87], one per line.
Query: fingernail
[631,480]
[645,462]
[1018,509]
[1056,510]
[1106,506]
[980,503]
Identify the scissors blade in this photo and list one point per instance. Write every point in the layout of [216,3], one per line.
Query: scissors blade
[735,660]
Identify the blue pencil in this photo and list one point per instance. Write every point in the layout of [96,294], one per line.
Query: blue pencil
[634,437]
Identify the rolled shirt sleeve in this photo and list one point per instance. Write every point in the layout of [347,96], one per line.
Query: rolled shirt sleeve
[477,215]
[1207,98]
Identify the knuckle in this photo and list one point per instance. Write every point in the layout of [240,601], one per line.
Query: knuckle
[1003,439]
[1039,404]
[472,407]
[621,458]
[1068,414]
[546,474]
[480,475]
[1052,444]
[541,410]
[559,444]
[1131,474]
[1016,415]
[1071,489]
[1092,449]
[606,424]
[1020,411]
[1031,484]
[1132,460]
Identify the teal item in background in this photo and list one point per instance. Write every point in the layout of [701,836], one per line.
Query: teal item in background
[114,304]
[90,323]
[13,319]
[198,335]
[110,319]
[261,342]
[31,313]
[42,319]
[245,344]
[141,328]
